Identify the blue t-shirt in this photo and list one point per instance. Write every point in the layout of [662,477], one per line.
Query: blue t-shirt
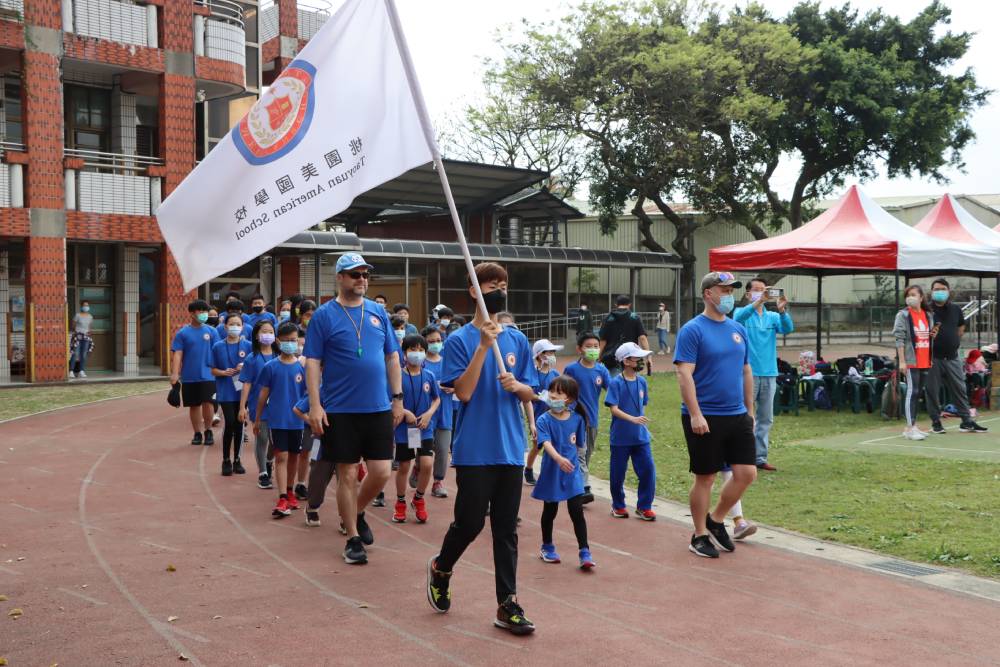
[303,403]
[763,330]
[196,344]
[543,385]
[419,391]
[226,355]
[442,417]
[251,319]
[286,384]
[354,372]
[251,369]
[591,381]
[488,429]
[555,485]
[719,352]
[223,331]
[631,397]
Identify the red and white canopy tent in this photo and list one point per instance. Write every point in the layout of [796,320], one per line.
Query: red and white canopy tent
[856,235]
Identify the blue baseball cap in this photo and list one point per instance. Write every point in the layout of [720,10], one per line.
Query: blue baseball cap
[351,260]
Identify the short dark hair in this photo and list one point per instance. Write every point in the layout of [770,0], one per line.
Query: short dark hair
[412,341]
[234,305]
[623,300]
[397,321]
[286,328]
[231,316]
[445,311]
[940,281]
[756,280]
[256,296]
[428,330]
[232,294]
[306,306]
[400,306]
[488,272]
[381,296]
[457,321]
[585,336]
[198,304]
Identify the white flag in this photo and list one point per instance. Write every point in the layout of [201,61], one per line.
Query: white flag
[339,121]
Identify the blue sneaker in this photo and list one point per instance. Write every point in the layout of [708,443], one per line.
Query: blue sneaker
[586,560]
[548,554]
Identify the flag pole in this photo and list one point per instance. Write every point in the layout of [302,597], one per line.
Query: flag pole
[425,123]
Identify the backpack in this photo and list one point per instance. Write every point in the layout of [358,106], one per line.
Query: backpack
[890,398]
[821,398]
[978,398]
[785,368]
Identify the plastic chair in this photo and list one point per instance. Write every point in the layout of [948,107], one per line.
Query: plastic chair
[786,398]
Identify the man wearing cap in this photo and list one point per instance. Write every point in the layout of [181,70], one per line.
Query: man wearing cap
[628,395]
[716,382]
[621,326]
[763,327]
[359,402]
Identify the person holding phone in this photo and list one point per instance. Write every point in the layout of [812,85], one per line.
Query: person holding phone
[763,327]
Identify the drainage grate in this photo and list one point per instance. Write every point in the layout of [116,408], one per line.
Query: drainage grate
[902,567]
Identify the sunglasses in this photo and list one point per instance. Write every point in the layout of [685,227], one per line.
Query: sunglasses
[725,277]
[358,275]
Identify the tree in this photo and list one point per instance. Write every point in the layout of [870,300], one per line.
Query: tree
[676,99]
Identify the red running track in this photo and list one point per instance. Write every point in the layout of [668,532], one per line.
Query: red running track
[98,500]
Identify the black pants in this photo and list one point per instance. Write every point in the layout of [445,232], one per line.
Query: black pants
[232,434]
[482,490]
[575,507]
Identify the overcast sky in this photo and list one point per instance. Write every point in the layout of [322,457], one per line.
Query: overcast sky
[449,39]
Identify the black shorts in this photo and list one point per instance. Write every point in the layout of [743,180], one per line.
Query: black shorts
[196,393]
[287,440]
[404,453]
[729,440]
[353,436]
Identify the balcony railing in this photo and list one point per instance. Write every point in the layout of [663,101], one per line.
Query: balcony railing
[11,178]
[112,183]
[12,9]
[124,21]
[312,14]
[221,35]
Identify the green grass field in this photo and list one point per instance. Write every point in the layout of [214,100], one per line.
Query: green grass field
[939,506]
[29,400]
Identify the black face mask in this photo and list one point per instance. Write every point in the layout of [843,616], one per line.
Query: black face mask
[639,365]
[213,321]
[495,301]
[258,309]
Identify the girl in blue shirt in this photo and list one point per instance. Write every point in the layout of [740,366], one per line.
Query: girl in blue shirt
[264,348]
[559,431]
[545,365]
[228,356]
[627,397]
[282,383]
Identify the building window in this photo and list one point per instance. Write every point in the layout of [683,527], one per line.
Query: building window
[11,101]
[88,118]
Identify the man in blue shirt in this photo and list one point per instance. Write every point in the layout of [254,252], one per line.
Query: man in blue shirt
[763,327]
[488,446]
[716,384]
[258,313]
[352,347]
[192,367]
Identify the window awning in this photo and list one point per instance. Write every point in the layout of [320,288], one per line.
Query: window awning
[338,242]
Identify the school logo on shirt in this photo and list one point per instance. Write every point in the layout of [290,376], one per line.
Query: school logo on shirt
[738,338]
[243,353]
[206,336]
[572,438]
[298,377]
[427,387]
[642,394]
[376,322]
[280,119]
[511,360]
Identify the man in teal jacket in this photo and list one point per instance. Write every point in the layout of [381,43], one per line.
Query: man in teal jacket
[763,327]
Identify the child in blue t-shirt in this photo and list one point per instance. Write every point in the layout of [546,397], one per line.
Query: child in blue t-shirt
[228,356]
[415,435]
[264,348]
[545,365]
[593,378]
[445,412]
[627,397]
[282,382]
[560,428]
[191,362]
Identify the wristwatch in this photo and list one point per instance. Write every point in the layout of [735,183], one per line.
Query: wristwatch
[397,397]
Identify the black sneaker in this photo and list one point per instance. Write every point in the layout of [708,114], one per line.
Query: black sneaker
[264,481]
[364,531]
[354,552]
[227,468]
[702,546]
[529,476]
[379,500]
[238,468]
[209,438]
[510,617]
[301,492]
[438,593]
[196,440]
[588,497]
[972,427]
[937,428]
[312,518]
[717,533]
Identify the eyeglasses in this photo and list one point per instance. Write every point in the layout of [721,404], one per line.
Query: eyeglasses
[358,275]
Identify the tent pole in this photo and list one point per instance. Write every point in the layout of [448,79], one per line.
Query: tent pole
[819,315]
[979,318]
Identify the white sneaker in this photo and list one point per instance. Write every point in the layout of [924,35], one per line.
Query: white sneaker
[82,374]
[914,434]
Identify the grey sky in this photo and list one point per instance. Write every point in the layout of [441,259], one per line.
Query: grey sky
[449,38]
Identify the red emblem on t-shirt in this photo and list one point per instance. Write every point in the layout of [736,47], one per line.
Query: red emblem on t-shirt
[206,335]
[572,438]
[375,321]
[427,387]
[243,353]
[598,380]
[511,360]
[737,338]
[298,377]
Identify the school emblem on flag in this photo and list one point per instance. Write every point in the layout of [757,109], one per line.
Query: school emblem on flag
[281,119]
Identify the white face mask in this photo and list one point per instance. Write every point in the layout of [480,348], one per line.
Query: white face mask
[755,296]
[550,359]
[913,301]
